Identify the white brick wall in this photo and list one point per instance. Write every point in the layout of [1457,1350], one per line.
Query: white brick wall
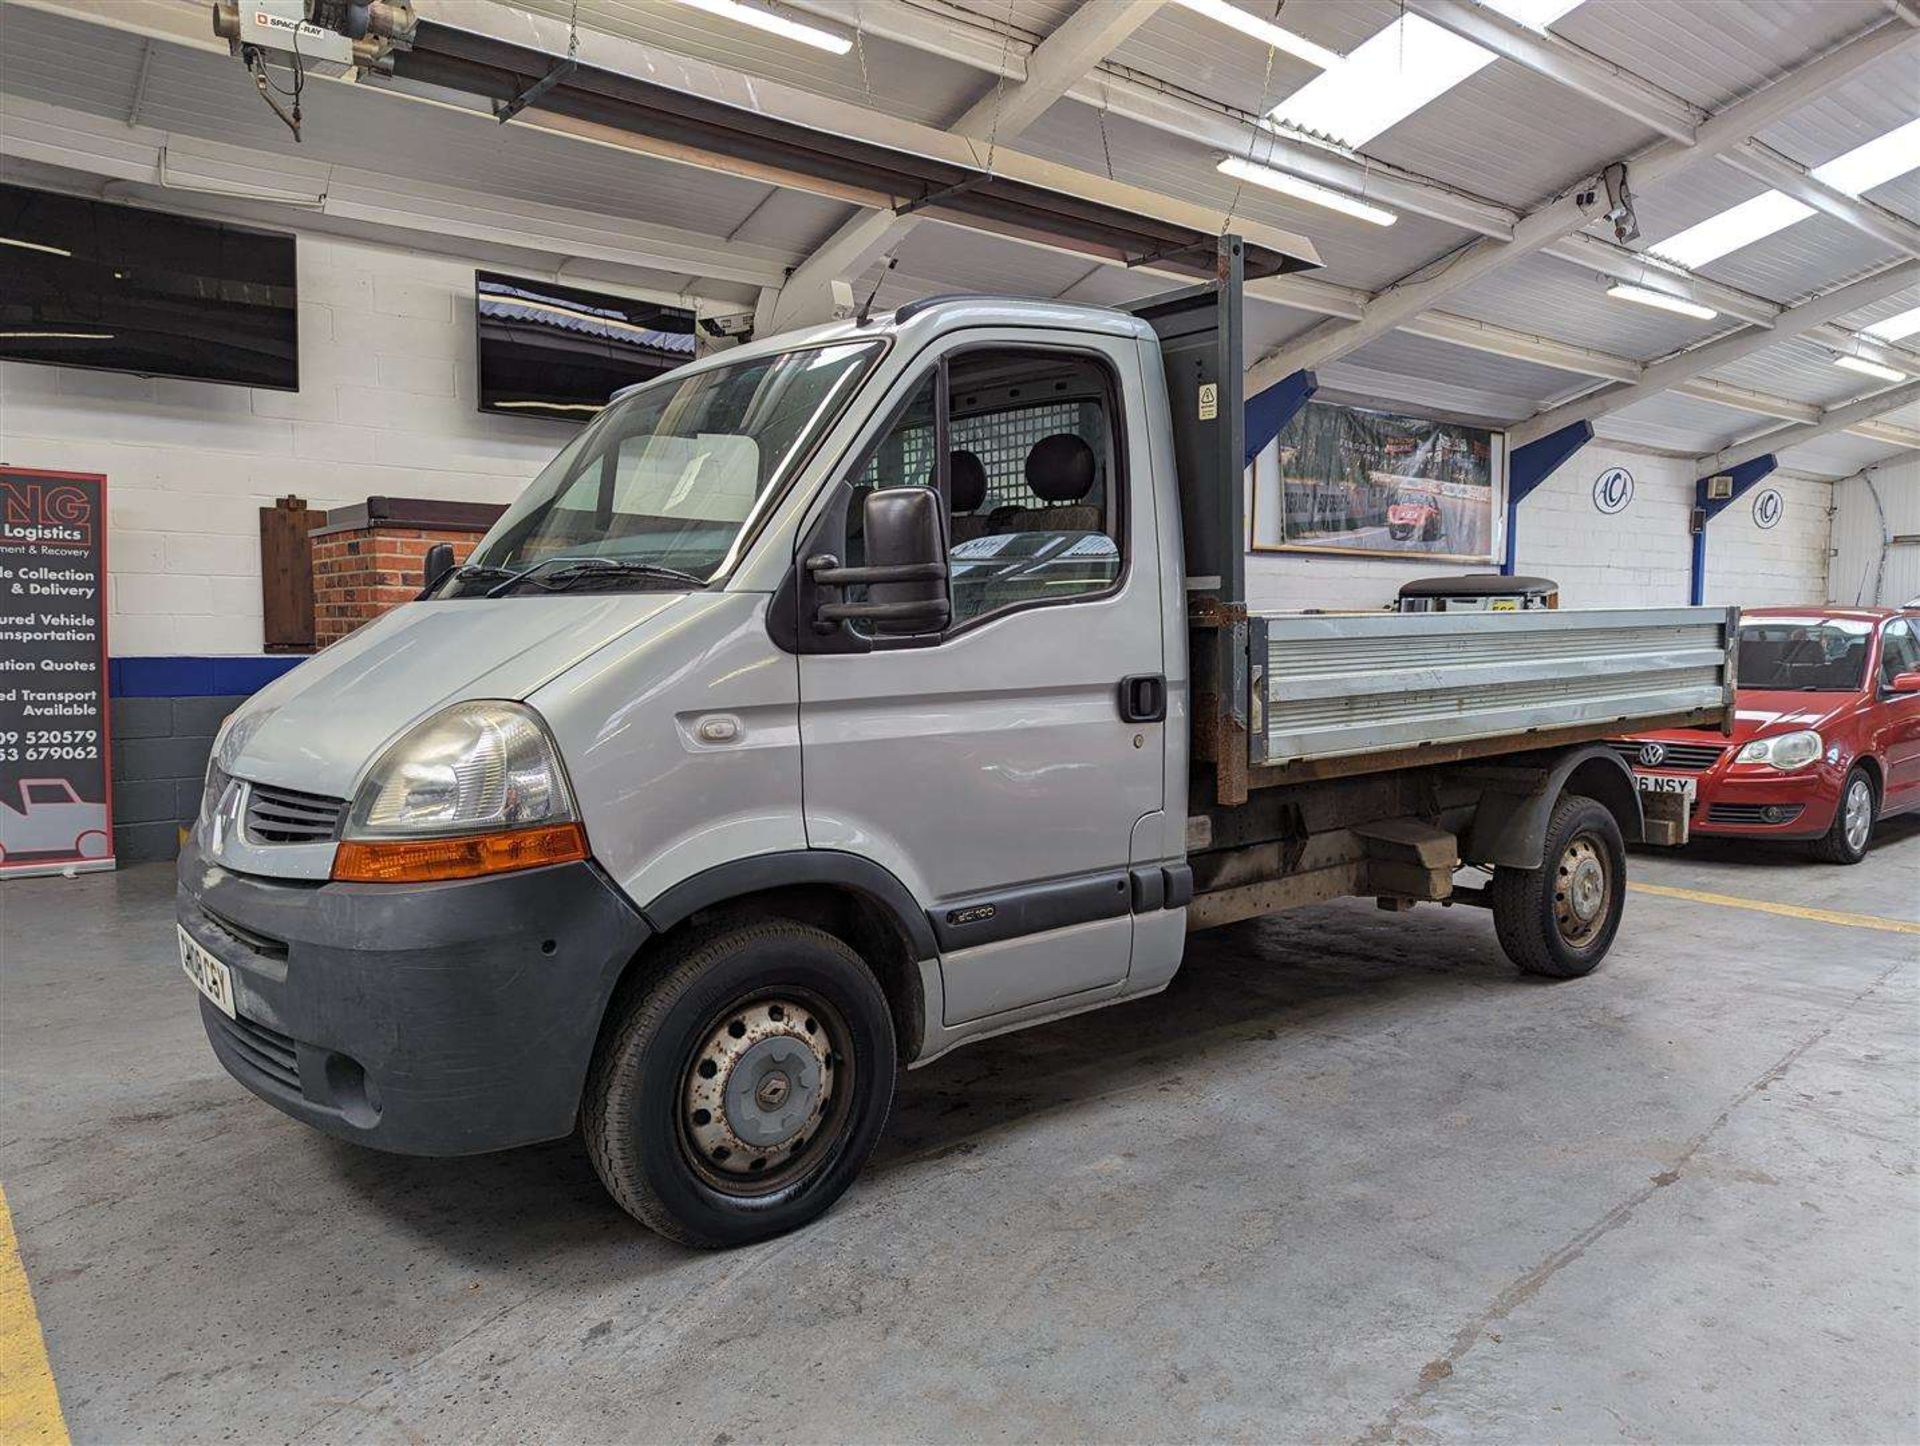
[386,407]
[1641,557]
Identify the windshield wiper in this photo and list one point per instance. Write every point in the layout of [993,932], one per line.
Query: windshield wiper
[466,570]
[579,569]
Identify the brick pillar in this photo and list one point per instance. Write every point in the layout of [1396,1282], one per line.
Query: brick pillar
[369,558]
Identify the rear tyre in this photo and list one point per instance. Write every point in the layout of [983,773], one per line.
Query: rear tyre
[1559,920]
[737,1094]
[1845,842]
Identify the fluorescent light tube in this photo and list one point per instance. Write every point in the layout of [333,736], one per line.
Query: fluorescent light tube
[1869,369]
[1661,300]
[1874,164]
[775,24]
[57,335]
[1308,191]
[35,246]
[1896,327]
[1264,31]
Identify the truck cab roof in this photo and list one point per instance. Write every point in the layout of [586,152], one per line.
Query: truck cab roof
[930,316]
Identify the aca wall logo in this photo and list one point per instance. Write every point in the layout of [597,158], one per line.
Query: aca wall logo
[1613,490]
[1768,506]
[53,516]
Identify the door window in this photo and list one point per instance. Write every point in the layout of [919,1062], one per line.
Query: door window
[1899,652]
[1032,480]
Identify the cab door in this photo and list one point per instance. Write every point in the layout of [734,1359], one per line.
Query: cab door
[999,767]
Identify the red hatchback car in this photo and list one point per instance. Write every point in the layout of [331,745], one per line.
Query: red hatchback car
[1826,736]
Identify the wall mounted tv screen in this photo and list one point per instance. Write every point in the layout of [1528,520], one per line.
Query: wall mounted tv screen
[116,288]
[557,351]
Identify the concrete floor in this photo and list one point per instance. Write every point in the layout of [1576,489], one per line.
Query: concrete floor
[1350,1179]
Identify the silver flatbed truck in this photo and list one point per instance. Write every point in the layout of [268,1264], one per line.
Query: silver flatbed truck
[849,695]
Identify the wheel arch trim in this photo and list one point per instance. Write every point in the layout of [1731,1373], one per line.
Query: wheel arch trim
[1510,827]
[787,868]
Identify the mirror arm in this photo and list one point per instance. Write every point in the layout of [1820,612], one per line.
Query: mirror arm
[900,612]
[827,572]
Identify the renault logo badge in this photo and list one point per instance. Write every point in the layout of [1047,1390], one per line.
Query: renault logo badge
[1653,754]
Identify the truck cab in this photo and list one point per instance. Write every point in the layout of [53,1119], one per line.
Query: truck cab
[825,704]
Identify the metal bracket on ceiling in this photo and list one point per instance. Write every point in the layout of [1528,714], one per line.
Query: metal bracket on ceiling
[506,110]
[934,198]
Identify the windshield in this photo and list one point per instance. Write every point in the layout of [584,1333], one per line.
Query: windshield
[1807,655]
[664,482]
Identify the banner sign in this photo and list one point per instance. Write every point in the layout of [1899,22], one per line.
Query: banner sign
[1378,484]
[55,775]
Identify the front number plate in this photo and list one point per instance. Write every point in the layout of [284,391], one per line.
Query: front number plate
[1665,783]
[209,975]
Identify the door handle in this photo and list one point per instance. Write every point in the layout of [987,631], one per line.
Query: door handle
[1143,698]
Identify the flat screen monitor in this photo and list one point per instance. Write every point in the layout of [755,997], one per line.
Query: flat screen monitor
[557,351]
[116,288]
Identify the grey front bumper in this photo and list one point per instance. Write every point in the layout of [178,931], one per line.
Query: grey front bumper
[427,1019]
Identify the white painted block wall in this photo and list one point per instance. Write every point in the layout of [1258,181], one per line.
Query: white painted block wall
[1640,557]
[386,407]
[1864,552]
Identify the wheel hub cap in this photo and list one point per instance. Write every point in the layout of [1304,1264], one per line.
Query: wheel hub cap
[758,1088]
[1582,892]
[1586,891]
[1859,815]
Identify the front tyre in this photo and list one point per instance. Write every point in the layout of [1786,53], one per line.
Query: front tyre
[737,1094]
[1559,920]
[1846,841]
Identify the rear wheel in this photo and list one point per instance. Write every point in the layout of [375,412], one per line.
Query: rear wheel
[737,1095]
[1846,841]
[1559,920]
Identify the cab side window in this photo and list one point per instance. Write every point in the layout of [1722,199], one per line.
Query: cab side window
[1899,651]
[1033,476]
[1034,479]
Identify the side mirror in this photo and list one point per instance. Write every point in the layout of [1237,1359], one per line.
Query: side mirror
[439,563]
[1904,683]
[906,571]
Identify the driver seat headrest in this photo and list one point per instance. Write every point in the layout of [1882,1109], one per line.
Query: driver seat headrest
[1060,468]
[966,481]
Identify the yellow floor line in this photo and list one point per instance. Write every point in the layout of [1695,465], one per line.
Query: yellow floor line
[1791,911]
[29,1403]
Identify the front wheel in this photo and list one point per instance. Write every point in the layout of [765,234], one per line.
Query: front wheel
[1846,841]
[1559,920]
[736,1096]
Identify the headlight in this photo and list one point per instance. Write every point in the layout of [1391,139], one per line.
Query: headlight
[472,768]
[1785,752]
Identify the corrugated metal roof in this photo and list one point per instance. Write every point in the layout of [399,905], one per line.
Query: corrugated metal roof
[1797,369]
[1813,255]
[879,73]
[1547,297]
[1355,253]
[1510,135]
[1712,54]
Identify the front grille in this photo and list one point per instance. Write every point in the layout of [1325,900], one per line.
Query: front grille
[285,816]
[1677,757]
[1753,813]
[267,1050]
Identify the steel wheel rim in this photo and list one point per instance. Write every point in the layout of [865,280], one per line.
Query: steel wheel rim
[1582,891]
[1858,823]
[766,1091]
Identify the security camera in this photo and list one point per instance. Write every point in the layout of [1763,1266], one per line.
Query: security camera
[1619,207]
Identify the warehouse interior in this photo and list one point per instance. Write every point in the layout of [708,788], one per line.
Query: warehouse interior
[1642,275]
